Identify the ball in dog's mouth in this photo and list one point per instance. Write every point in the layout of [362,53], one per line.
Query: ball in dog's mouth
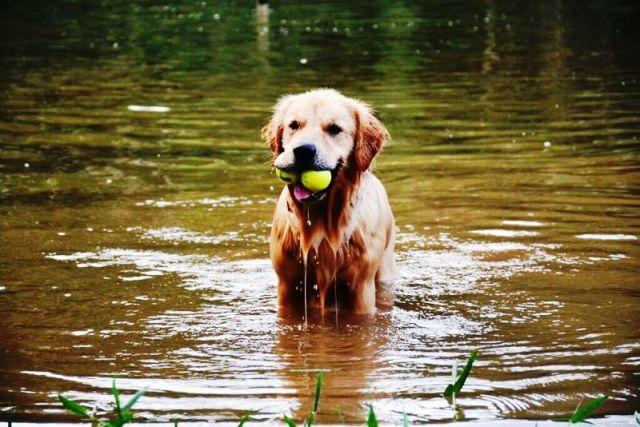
[309,186]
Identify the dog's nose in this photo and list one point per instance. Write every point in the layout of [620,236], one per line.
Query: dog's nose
[305,155]
[305,152]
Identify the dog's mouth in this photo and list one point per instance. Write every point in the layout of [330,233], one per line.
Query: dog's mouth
[304,195]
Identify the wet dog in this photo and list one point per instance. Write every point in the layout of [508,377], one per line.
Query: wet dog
[334,248]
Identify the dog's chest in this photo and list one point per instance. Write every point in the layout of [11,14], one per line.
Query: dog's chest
[326,265]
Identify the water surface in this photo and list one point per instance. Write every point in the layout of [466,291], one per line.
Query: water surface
[136,201]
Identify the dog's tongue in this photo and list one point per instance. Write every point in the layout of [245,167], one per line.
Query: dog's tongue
[301,193]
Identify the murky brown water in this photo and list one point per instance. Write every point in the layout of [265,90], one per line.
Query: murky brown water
[134,243]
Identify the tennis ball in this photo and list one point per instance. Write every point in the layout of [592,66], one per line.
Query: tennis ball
[288,177]
[316,180]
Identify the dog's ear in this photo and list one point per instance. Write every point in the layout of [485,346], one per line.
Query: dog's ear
[272,133]
[370,136]
[273,130]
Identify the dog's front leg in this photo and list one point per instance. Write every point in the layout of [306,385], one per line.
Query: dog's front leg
[365,298]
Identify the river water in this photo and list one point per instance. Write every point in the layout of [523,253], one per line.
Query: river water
[134,240]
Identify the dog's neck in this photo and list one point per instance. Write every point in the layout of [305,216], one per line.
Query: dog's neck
[328,219]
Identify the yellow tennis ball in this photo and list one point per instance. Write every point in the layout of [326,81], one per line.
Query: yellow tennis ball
[316,180]
[288,177]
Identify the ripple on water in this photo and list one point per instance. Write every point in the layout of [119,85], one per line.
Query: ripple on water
[173,396]
[523,223]
[149,108]
[606,237]
[499,232]
[219,202]
[178,234]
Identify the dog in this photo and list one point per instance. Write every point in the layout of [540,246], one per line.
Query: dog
[331,249]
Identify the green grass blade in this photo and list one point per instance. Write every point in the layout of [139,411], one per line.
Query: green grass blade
[116,395]
[118,422]
[126,416]
[311,418]
[319,383]
[405,420]
[74,407]
[581,413]
[288,421]
[244,420]
[372,421]
[134,399]
[457,386]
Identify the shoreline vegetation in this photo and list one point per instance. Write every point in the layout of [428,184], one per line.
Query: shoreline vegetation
[123,414]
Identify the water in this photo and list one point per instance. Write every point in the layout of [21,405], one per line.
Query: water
[136,200]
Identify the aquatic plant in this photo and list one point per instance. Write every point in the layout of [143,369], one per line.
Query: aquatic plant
[455,388]
[582,412]
[311,416]
[372,421]
[243,420]
[123,413]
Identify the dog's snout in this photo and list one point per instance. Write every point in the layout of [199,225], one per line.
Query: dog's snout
[305,152]
[305,156]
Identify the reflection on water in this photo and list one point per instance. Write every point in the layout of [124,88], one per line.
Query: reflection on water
[136,202]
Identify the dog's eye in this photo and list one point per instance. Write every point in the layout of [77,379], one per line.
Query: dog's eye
[334,129]
[294,125]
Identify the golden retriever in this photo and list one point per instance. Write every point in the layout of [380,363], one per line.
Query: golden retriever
[333,248]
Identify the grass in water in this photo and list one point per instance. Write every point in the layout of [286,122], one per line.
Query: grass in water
[123,413]
[372,421]
[244,420]
[456,387]
[582,412]
[311,416]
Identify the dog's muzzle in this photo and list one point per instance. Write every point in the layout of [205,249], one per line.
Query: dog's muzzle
[305,157]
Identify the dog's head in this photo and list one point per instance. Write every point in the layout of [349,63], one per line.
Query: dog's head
[323,130]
